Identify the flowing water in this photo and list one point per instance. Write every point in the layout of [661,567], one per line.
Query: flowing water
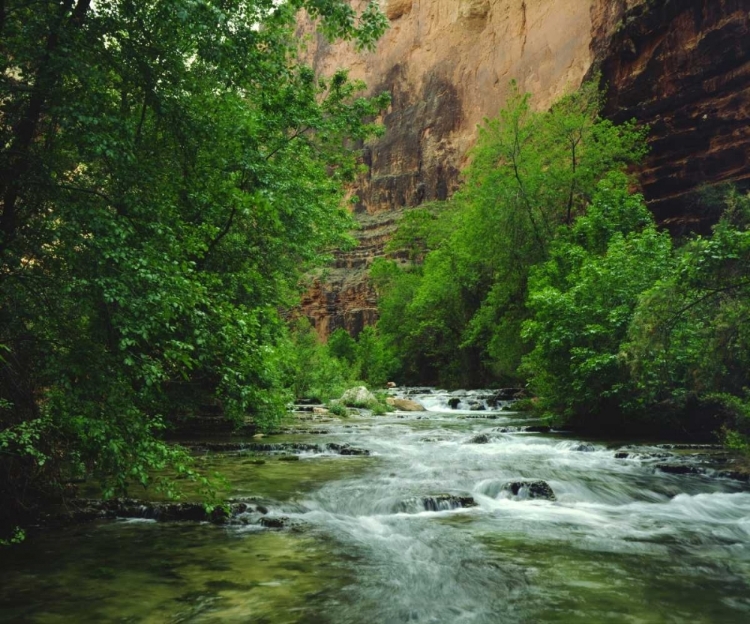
[393,537]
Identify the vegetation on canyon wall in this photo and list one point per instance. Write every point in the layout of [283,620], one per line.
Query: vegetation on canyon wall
[548,269]
[168,171]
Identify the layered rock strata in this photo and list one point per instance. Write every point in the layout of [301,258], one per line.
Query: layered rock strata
[682,66]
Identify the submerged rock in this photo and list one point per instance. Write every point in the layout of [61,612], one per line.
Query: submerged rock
[537,429]
[438,502]
[482,438]
[443,502]
[524,429]
[641,455]
[276,522]
[280,447]
[530,490]
[87,510]
[345,449]
[680,469]
[584,448]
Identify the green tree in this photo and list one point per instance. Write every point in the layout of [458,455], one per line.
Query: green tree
[582,301]
[689,342]
[530,173]
[167,170]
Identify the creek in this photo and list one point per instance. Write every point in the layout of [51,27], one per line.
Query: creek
[428,528]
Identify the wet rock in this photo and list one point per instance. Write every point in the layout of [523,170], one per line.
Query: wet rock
[302,408]
[736,475]
[537,429]
[629,454]
[276,522]
[524,429]
[345,449]
[308,402]
[279,448]
[299,432]
[454,402]
[530,490]
[405,405]
[444,502]
[680,469]
[584,448]
[482,438]
[86,510]
[418,390]
[691,447]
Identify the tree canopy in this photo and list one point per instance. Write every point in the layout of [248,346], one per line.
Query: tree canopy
[168,170]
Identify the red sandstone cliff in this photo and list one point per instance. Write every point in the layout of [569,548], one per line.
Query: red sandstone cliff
[682,66]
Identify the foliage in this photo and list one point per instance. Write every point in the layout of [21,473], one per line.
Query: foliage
[690,336]
[456,319]
[167,170]
[376,362]
[582,300]
[338,409]
[626,326]
[310,370]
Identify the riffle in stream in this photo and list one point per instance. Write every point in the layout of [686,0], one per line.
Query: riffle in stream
[441,523]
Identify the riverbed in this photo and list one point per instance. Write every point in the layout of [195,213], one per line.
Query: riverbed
[440,523]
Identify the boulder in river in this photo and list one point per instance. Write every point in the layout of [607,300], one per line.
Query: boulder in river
[85,510]
[530,490]
[438,502]
[358,397]
[482,438]
[680,469]
[537,429]
[454,402]
[443,502]
[405,405]
[274,522]
[345,449]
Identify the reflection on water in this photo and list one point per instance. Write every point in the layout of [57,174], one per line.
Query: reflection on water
[621,542]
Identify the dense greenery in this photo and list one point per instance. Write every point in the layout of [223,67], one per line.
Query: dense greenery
[456,318]
[168,169]
[626,326]
[548,270]
[317,370]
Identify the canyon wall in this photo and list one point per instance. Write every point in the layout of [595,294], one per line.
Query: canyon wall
[683,66]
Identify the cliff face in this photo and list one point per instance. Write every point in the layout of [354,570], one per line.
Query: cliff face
[683,67]
[680,65]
